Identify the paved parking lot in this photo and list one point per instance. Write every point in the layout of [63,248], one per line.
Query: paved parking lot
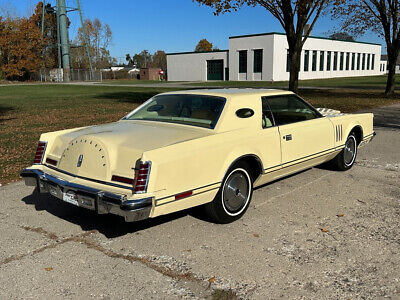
[319,234]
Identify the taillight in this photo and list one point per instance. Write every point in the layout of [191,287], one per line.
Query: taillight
[41,148]
[122,179]
[142,177]
[51,161]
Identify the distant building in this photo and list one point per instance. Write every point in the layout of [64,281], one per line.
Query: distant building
[265,57]
[149,74]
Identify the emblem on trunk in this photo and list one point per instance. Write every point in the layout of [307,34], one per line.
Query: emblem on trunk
[79,160]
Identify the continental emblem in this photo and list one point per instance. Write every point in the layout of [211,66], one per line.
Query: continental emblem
[79,160]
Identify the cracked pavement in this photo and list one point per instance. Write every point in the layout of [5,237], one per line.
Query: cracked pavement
[319,234]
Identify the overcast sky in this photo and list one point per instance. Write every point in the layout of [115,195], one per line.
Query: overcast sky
[173,25]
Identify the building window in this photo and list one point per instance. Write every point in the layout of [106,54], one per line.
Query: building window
[306,60]
[258,58]
[347,61]
[314,60]
[243,61]
[328,60]
[358,61]
[373,62]
[368,60]
[353,61]
[287,61]
[341,60]
[363,62]
[335,60]
[321,60]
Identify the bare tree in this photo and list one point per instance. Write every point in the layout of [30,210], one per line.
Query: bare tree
[293,15]
[380,16]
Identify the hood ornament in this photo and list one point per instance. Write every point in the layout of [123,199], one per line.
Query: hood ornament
[79,161]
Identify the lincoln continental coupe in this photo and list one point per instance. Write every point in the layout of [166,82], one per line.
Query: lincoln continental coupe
[190,148]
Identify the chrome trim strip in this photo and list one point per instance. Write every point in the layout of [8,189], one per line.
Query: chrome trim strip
[174,200]
[195,189]
[285,164]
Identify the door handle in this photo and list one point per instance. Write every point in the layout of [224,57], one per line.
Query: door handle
[287,137]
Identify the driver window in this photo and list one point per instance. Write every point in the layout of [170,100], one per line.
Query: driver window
[288,109]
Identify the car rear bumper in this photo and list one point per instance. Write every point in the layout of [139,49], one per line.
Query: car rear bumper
[83,196]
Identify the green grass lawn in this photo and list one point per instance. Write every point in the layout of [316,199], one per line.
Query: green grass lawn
[26,111]
[370,82]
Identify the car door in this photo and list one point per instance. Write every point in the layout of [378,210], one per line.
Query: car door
[304,133]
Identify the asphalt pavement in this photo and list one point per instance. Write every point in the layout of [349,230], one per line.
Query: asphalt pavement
[319,234]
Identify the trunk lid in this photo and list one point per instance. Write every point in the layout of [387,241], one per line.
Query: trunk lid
[98,152]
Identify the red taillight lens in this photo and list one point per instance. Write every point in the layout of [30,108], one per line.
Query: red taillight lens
[142,177]
[51,161]
[122,179]
[40,150]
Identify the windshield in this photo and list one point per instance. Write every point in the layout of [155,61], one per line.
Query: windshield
[195,110]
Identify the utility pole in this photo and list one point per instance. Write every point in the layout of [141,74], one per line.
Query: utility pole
[63,24]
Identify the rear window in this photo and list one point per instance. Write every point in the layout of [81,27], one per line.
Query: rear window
[194,110]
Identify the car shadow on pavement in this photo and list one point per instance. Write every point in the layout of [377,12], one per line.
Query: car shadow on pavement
[110,226]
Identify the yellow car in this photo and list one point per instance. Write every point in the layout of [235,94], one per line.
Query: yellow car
[189,148]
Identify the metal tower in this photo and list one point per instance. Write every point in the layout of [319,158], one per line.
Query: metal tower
[63,46]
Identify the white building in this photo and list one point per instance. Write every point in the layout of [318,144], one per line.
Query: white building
[265,57]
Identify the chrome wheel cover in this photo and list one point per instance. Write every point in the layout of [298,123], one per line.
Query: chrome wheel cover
[236,192]
[350,151]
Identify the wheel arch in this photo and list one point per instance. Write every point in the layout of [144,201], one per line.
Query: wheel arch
[255,163]
[358,131]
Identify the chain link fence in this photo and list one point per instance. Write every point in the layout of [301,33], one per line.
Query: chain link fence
[57,75]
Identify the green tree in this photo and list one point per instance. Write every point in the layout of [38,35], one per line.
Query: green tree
[342,36]
[143,59]
[203,45]
[380,16]
[99,38]
[50,53]
[129,59]
[160,60]
[293,15]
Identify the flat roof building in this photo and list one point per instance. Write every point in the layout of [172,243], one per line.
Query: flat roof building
[264,57]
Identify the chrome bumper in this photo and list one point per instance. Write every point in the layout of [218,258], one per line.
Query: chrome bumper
[94,199]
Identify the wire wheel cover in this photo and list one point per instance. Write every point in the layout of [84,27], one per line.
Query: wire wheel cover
[236,192]
[349,151]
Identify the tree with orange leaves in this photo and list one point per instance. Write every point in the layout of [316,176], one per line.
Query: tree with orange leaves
[20,48]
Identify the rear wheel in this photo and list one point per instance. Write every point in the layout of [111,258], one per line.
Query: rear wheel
[346,158]
[234,196]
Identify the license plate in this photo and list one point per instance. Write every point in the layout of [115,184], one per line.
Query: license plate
[70,197]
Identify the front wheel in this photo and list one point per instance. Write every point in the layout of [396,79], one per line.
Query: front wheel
[346,158]
[234,196]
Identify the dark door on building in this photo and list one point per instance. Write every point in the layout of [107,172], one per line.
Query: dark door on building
[215,69]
